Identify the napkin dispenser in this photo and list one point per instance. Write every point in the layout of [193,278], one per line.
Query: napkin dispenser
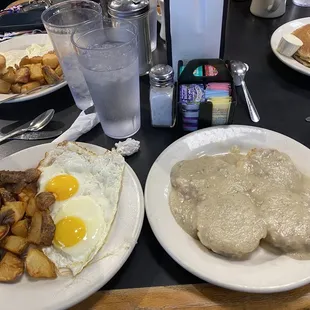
[195,29]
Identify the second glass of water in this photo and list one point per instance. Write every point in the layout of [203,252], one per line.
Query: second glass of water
[108,57]
[60,21]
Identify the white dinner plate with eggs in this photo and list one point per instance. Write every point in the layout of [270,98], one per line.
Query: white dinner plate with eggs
[276,37]
[263,271]
[19,45]
[66,291]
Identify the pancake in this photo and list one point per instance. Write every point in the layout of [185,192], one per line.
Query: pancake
[303,54]
[230,225]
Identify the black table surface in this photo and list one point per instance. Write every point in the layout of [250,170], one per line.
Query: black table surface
[282,97]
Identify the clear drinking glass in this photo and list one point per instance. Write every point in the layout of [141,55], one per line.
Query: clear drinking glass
[109,60]
[305,3]
[60,21]
[153,24]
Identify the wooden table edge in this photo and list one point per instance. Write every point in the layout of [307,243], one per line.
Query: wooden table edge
[200,296]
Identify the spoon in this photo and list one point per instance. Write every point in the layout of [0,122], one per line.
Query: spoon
[37,124]
[238,72]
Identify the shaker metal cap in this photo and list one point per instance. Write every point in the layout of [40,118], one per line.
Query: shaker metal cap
[128,8]
[161,75]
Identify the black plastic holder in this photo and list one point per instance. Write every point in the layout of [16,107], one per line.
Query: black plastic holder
[223,76]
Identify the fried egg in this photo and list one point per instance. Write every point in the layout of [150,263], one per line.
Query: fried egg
[86,187]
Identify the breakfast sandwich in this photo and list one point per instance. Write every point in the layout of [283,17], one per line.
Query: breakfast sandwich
[303,54]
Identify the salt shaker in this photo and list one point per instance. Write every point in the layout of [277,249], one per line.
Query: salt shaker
[161,96]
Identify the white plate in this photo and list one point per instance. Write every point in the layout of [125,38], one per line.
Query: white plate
[20,43]
[263,272]
[63,292]
[276,37]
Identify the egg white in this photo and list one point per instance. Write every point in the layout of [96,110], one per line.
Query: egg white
[100,180]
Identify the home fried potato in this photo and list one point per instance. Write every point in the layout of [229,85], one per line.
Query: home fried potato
[6,196]
[38,265]
[36,73]
[7,217]
[50,76]
[59,71]
[5,87]
[14,244]
[36,60]
[44,200]
[31,207]
[29,86]
[42,229]
[20,228]
[34,234]
[4,230]
[2,62]
[22,75]
[10,75]
[18,207]
[16,88]
[51,60]
[11,267]
[24,61]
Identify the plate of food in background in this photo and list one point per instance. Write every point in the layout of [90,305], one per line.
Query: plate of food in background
[231,205]
[70,216]
[28,63]
[291,44]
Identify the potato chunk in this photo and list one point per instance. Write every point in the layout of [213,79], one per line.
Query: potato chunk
[6,196]
[5,87]
[31,207]
[2,62]
[16,88]
[11,267]
[38,265]
[22,75]
[14,244]
[51,60]
[42,229]
[18,207]
[24,61]
[50,76]
[10,75]
[59,71]
[36,60]
[20,228]
[29,86]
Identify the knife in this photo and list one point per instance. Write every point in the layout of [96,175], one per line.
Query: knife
[39,135]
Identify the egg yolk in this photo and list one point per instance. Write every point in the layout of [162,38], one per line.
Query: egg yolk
[63,186]
[69,231]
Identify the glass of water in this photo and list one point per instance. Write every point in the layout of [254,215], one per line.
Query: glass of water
[109,60]
[60,21]
[305,3]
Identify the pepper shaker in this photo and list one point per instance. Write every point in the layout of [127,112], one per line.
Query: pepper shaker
[161,95]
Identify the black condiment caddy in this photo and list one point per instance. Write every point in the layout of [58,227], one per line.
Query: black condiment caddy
[187,77]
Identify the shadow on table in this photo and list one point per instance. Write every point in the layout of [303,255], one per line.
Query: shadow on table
[26,110]
[289,75]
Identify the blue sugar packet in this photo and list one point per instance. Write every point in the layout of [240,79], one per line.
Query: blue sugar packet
[192,93]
